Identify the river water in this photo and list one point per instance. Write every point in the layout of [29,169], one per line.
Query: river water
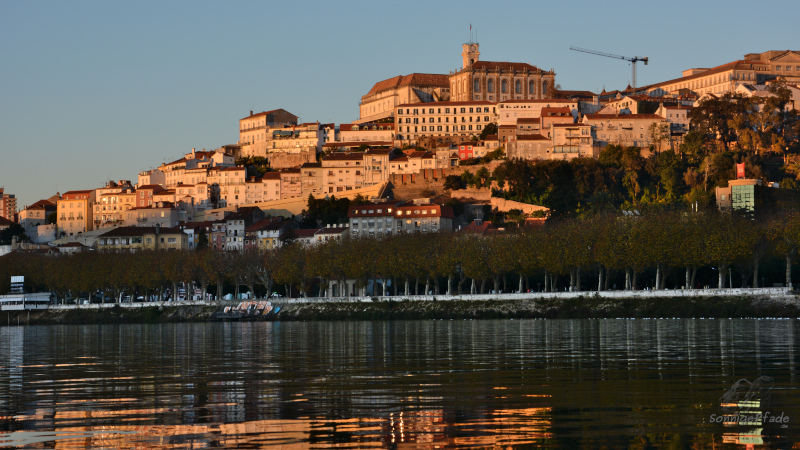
[422,384]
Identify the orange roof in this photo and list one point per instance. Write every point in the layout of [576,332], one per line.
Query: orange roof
[529,119]
[498,65]
[532,137]
[415,79]
[474,103]
[623,116]
[735,65]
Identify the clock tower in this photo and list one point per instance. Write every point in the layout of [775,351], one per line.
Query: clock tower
[470,54]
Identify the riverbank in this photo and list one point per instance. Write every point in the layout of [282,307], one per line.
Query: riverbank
[642,304]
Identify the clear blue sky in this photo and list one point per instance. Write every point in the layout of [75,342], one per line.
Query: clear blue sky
[98,90]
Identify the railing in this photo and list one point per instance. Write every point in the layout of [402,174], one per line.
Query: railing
[141,219]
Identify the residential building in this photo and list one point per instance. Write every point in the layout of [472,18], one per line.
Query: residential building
[194,231]
[627,130]
[255,127]
[311,179]
[344,171]
[381,101]
[529,146]
[34,220]
[160,213]
[441,119]
[366,132]
[755,68]
[511,111]
[143,238]
[497,81]
[394,217]
[74,212]
[550,116]
[8,205]
[236,225]
[528,125]
[266,234]
[291,185]
[572,140]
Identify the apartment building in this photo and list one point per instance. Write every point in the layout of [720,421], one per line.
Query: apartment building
[74,212]
[8,205]
[143,238]
[394,217]
[510,112]
[630,130]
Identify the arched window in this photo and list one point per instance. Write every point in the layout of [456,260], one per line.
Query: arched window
[504,86]
[490,86]
[532,87]
[544,87]
[476,85]
[518,87]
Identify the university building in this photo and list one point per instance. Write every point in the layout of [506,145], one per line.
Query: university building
[497,81]
[441,119]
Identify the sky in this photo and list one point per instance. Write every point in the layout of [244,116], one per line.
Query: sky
[92,91]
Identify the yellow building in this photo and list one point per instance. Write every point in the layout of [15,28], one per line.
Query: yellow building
[74,212]
[497,81]
[143,238]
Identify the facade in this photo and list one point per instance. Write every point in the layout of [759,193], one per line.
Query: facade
[375,219]
[530,147]
[511,111]
[572,140]
[8,205]
[385,96]
[255,127]
[627,130]
[755,68]
[236,226]
[442,119]
[751,197]
[344,171]
[34,220]
[74,212]
[366,132]
[291,185]
[497,81]
[266,234]
[143,238]
[161,213]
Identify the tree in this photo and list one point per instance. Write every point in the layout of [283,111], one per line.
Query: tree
[202,240]
[488,130]
[659,132]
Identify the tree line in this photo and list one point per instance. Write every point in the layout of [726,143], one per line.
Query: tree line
[656,251]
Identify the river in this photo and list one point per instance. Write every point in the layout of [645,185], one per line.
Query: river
[472,383]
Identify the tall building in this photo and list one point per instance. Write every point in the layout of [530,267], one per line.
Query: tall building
[75,212]
[8,206]
[497,81]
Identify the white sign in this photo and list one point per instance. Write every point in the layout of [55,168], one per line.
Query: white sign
[17,279]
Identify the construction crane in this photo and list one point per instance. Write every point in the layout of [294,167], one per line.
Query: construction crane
[632,60]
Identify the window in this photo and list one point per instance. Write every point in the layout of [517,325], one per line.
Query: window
[531,87]
[463,110]
[400,111]
[476,85]
[490,86]
[544,88]
[504,86]
[518,87]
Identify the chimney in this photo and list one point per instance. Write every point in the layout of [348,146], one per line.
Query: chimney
[251,112]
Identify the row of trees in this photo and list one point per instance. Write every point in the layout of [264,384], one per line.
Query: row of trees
[601,251]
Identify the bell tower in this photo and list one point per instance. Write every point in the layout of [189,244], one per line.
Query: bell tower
[470,54]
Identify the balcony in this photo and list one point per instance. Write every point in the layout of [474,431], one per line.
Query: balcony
[141,219]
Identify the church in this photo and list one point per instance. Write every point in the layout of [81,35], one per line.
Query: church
[497,81]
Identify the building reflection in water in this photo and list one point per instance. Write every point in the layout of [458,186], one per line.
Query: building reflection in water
[426,428]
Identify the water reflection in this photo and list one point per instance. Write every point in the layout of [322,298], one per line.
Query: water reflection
[424,428]
[621,383]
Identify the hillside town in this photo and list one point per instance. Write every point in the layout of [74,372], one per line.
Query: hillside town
[423,156]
